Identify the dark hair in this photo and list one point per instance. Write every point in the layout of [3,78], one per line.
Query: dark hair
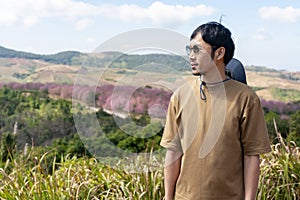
[216,35]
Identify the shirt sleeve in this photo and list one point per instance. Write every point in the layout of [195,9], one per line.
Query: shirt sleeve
[170,139]
[254,136]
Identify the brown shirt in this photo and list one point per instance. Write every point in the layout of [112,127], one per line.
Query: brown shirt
[213,135]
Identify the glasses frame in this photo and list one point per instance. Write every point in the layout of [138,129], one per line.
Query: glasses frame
[196,49]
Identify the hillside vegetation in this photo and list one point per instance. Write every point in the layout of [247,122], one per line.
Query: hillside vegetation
[44,155]
[111,67]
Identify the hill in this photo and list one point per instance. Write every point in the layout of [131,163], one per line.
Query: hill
[103,59]
[271,84]
[116,68]
[66,57]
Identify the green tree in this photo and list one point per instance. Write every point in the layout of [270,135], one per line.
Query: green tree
[294,134]
[7,146]
[282,125]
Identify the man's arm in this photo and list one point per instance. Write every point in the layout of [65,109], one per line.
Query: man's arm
[171,172]
[251,176]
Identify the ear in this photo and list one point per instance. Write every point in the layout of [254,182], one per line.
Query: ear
[220,53]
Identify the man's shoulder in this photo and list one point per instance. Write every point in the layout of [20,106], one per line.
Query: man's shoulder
[241,90]
[240,87]
[189,84]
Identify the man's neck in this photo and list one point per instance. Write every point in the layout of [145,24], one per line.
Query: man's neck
[214,76]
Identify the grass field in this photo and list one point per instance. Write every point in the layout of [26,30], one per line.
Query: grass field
[36,177]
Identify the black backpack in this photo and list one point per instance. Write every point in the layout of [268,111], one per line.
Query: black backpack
[235,70]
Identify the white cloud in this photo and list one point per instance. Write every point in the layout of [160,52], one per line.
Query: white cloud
[8,13]
[30,21]
[159,13]
[83,23]
[29,12]
[91,40]
[288,14]
[261,34]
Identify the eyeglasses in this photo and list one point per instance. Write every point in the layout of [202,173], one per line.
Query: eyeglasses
[196,49]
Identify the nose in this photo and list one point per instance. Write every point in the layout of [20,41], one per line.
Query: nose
[192,56]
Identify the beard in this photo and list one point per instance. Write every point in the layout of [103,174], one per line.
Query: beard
[196,73]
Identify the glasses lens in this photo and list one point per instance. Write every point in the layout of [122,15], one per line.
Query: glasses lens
[188,49]
[196,49]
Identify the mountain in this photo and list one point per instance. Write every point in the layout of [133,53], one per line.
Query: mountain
[103,59]
[69,67]
[66,57]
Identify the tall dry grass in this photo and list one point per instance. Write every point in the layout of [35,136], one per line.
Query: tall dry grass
[40,176]
[77,178]
[280,172]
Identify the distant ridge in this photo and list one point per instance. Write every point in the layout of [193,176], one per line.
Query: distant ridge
[112,59]
[65,57]
[62,68]
[128,61]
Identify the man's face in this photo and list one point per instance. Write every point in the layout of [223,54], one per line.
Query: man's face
[201,61]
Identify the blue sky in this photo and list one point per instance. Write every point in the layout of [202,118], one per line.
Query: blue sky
[266,33]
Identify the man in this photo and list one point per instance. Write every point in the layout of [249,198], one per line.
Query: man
[215,128]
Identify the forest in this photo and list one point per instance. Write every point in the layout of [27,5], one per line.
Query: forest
[34,105]
[40,142]
[34,119]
